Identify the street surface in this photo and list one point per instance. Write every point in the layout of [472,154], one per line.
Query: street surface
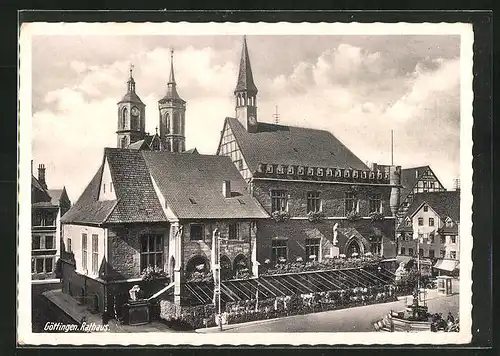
[345,320]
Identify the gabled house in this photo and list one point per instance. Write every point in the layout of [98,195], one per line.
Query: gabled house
[300,174]
[155,209]
[416,180]
[47,207]
[433,219]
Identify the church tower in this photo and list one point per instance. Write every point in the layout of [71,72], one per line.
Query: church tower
[131,116]
[246,93]
[172,115]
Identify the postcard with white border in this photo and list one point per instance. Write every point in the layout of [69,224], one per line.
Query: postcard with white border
[237,183]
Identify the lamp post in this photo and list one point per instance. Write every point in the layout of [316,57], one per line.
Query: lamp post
[216,251]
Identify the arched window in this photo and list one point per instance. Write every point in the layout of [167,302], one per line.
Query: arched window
[124,118]
[176,124]
[134,123]
[167,123]
[124,142]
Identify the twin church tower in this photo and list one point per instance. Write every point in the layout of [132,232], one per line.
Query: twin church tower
[131,131]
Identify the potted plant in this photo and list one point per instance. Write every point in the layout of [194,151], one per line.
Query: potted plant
[280,215]
[376,216]
[353,216]
[315,216]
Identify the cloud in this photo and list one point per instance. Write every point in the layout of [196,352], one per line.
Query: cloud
[357,89]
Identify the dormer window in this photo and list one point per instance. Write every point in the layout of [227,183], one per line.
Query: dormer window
[300,170]
[192,201]
[281,169]
[364,175]
[290,170]
[408,222]
[269,168]
[449,222]
[310,171]
[329,172]
[338,173]
[320,172]
[379,175]
[347,174]
[372,175]
[386,175]
[355,174]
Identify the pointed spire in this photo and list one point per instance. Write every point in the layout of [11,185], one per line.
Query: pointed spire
[171,80]
[245,76]
[131,81]
[171,85]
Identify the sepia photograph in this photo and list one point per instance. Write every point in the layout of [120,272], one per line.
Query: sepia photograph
[235,183]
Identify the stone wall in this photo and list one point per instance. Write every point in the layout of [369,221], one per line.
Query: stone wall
[124,249]
[332,196]
[231,248]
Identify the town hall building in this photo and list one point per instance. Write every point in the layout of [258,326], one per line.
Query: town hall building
[324,200]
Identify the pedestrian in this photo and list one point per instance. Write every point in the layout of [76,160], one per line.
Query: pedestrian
[450,318]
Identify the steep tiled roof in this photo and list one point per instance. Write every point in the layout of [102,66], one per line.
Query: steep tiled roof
[289,145]
[137,200]
[192,186]
[131,97]
[409,177]
[190,183]
[55,195]
[445,204]
[87,209]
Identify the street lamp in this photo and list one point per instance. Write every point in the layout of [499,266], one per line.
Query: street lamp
[216,251]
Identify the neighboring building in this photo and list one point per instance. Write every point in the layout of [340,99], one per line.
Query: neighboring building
[416,180]
[433,219]
[301,173]
[132,119]
[159,209]
[47,207]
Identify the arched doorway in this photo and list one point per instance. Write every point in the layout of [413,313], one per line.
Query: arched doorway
[240,266]
[226,271]
[172,268]
[354,246]
[197,264]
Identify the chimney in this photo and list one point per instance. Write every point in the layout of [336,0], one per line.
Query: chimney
[226,188]
[41,175]
[416,173]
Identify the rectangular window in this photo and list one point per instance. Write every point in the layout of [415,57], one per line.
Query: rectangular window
[453,239]
[410,252]
[420,221]
[69,245]
[403,250]
[84,251]
[442,253]
[49,264]
[376,245]
[313,202]
[104,188]
[234,231]
[421,252]
[431,237]
[36,242]
[375,203]
[453,254]
[431,254]
[279,200]
[39,265]
[279,250]
[95,254]
[312,249]
[49,242]
[350,203]
[443,240]
[431,221]
[110,186]
[196,232]
[151,251]
[49,220]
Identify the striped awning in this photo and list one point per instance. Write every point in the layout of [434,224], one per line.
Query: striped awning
[271,286]
[446,265]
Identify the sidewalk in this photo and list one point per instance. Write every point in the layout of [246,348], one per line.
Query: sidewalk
[77,312]
[431,295]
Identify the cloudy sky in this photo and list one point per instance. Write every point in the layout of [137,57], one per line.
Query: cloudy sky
[357,87]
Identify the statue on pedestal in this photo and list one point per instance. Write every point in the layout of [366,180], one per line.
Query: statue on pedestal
[134,292]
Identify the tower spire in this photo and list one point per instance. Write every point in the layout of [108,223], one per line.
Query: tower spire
[245,76]
[131,81]
[171,79]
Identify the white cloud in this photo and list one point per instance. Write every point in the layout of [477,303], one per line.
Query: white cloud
[354,93]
